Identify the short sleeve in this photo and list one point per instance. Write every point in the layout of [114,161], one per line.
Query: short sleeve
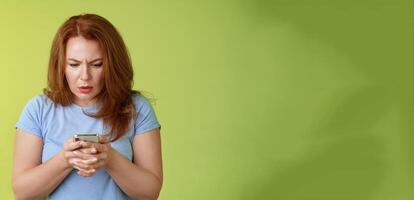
[146,119]
[30,118]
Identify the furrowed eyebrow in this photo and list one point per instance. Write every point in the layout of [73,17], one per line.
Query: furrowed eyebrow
[94,60]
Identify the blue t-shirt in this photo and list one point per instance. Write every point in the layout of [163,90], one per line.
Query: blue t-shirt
[55,124]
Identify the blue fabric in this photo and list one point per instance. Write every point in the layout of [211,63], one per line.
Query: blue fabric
[54,124]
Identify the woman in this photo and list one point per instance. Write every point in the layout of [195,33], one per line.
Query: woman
[90,80]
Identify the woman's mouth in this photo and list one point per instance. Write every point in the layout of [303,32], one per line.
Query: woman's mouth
[85,89]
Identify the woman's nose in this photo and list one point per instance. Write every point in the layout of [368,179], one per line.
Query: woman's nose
[84,74]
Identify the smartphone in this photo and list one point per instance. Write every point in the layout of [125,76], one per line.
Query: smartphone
[90,137]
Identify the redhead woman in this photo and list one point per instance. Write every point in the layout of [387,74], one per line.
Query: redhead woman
[89,90]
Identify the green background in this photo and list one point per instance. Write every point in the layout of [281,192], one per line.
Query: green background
[289,100]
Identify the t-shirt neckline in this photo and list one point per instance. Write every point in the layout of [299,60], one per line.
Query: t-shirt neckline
[85,108]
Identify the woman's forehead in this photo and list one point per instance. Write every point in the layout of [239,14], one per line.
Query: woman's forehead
[79,48]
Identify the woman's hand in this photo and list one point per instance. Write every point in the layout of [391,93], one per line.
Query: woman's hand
[72,159]
[92,156]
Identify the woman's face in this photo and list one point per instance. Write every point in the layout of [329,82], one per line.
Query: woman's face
[84,70]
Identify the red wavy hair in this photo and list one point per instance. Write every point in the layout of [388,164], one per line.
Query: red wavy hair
[116,104]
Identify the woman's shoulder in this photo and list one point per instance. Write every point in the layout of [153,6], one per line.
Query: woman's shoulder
[40,101]
[141,101]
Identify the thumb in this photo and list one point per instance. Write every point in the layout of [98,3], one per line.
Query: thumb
[71,145]
[103,139]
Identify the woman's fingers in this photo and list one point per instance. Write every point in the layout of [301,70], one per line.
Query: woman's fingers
[82,164]
[71,145]
[99,164]
[90,150]
[77,156]
[101,157]
[103,140]
[97,146]
[77,164]
[86,169]
[86,173]
[92,162]
[86,157]
[87,144]
[89,167]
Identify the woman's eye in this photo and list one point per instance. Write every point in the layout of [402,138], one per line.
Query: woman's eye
[97,65]
[73,65]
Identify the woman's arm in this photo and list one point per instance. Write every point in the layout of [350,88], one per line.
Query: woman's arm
[141,179]
[31,179]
